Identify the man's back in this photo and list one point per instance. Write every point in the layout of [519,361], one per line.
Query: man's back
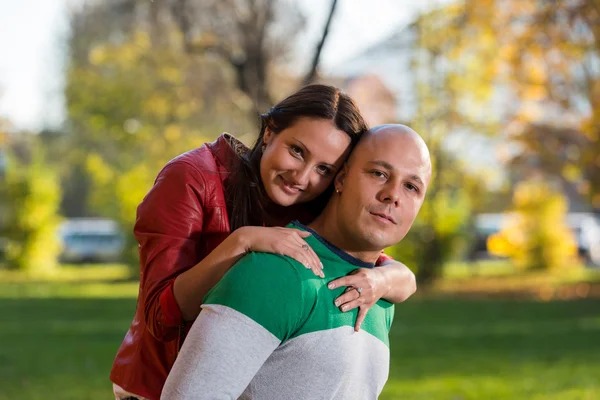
[270,330]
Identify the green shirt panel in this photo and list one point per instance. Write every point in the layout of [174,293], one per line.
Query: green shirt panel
[268,289]
[288,300]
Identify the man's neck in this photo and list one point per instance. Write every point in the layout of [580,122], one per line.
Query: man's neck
[331,232]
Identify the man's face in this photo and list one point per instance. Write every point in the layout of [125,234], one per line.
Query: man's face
[382,189]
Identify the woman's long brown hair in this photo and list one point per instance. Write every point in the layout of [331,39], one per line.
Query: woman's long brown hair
[247,201]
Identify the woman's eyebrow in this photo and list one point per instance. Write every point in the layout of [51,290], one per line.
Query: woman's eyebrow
[308,151]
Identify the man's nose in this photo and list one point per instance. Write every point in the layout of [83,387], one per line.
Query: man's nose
[391,194]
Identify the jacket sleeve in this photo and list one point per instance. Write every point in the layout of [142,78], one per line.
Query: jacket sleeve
[383,258]
[168,228]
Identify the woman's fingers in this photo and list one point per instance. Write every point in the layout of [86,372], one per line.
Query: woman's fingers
[350,300]
[302,234]
[349,295]
[286,241]
[303,257]
[363,289]
[296,239]
[362,313]
[351,305]
[359,279]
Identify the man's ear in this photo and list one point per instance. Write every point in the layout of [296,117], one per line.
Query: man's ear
[340,178]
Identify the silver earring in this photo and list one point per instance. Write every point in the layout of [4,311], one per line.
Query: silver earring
[264,147]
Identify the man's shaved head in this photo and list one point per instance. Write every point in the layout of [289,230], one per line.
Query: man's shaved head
[379,191]
[374,138]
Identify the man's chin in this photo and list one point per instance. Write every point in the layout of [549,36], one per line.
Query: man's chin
[376,239]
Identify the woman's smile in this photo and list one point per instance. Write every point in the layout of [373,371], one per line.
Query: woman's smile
[288,187]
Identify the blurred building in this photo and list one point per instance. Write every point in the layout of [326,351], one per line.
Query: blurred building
[389,61]
[377,102]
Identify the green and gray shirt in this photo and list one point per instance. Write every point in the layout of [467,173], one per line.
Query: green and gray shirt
[270,330]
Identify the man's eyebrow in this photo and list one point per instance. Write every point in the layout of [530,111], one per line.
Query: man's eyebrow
[383,164]
[417,179]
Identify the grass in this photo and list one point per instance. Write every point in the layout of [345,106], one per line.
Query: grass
[58,337]
[461,349]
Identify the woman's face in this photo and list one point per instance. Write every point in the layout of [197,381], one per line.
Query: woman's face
[300,162]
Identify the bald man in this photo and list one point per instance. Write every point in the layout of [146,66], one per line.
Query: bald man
[270,328]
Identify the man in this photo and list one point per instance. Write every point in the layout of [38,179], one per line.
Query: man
[270,328]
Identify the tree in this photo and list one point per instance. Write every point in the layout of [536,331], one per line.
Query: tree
[253,36]
[536,236]
[445,110]
[546,64]
[29,202]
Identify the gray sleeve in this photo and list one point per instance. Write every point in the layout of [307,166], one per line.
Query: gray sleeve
[221,354]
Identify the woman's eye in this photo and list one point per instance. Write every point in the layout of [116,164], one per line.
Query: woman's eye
[324,170]
[296,150]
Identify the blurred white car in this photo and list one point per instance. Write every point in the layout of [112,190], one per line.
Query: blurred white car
[586,227]
[91,240]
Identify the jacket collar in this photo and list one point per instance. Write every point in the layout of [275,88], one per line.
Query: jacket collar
[225,150]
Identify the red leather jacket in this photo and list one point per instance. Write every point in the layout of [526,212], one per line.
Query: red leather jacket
[179,222]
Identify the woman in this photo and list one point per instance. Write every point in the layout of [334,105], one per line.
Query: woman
[212,205]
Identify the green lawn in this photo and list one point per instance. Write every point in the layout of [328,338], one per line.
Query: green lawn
[58,338]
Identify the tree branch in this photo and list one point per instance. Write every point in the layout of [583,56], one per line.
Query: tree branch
[310,76]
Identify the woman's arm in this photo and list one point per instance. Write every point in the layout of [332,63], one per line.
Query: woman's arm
[391,280]
[401,281]
[191,286]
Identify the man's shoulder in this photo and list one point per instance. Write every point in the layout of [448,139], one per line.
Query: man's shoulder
[267,288]
[272,267]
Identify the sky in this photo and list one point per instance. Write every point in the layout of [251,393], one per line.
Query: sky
[32,35]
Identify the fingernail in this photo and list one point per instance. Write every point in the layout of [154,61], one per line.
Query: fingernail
[331,286]
[322,266]
[344,308]
[337,303]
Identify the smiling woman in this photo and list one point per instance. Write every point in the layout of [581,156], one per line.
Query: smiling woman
[302,143]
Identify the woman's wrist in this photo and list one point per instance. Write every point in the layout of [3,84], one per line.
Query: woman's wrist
[241,240]
[386,281]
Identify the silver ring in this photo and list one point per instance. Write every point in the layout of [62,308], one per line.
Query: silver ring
[359,290]
[305,246]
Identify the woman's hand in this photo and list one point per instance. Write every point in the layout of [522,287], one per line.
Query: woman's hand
[285,241]
[373,286]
